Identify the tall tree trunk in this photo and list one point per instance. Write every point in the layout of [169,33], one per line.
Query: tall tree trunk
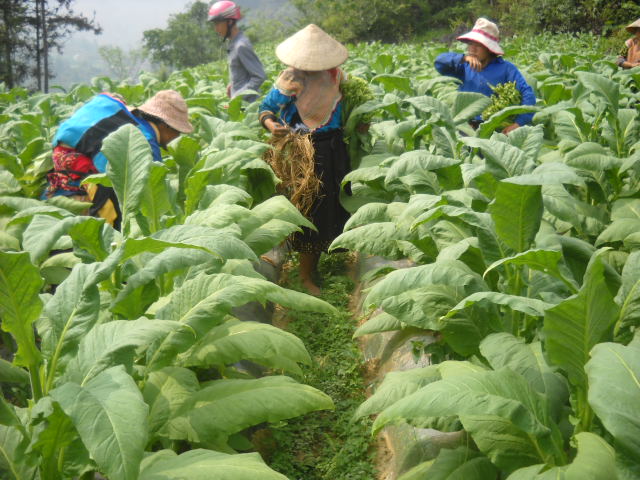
[7,74]
[45,46]
[38,49]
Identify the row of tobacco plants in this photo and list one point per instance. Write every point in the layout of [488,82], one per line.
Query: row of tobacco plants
[123,353]
[526,261]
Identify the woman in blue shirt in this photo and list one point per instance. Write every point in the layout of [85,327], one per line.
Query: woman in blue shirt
[483,67]
[306,97]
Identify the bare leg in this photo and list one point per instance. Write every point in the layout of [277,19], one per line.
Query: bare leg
[308,265]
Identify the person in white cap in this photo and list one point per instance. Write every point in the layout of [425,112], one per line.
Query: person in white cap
[78,142]
[483,67]
[630,54]
[306,98]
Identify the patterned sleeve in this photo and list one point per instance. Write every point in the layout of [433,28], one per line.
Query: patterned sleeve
[273,105]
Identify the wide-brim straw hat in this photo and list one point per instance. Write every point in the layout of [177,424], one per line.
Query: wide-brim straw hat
[485,33]
[171,108]
[633,27]
[312,49]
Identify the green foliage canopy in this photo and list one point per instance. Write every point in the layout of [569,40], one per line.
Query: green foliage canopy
[187,41]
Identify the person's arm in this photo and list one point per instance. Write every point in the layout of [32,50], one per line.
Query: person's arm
[254,68]
[450,64]
[622,61]
[270,108]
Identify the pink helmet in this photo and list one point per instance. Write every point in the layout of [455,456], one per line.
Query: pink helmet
[224,10]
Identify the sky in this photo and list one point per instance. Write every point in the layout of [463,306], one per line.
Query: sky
[123,21]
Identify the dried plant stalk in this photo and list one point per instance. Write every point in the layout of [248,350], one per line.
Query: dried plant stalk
[291,158]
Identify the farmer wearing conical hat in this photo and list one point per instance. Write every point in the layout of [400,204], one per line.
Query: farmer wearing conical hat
[306,98]
[630,54]
[483,67]
[78,142]
[245,68]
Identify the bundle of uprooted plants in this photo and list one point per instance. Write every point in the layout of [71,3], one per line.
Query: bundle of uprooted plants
[291,159]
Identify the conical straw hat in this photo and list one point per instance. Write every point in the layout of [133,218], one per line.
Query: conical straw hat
[312,49]
[633,26]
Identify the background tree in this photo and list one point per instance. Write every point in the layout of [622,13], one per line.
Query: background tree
[187,41]
[55,21]
[123,65]
[354,20]
[29,29]
[14,39]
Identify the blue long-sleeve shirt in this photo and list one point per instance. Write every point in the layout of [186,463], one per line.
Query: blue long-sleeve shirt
[245,69]
[284,107]
[496,72]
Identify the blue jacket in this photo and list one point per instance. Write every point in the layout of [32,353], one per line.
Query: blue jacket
[497,72]
[89,125]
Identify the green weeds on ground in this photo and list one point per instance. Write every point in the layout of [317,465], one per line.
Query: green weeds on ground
[327,445]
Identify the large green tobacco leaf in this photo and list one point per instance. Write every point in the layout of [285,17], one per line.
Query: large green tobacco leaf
[396,386]
[528,306]
[155,200]
[93,236]
[417,160]
[461,463]
[115,343]
[225,407]
[53,433]
[422,307]
[547,261]
[628,297]
[393,82]
[502,159]
[595,460]
[275,208]
[202,303]
[130,158]
[447,272]
[573,327]
[527,138]
[221,243]
[68,316]
[376,212]
[373,239]
[625,216]
[517,213]
[614,392]
[382,322]
[467,105]
[551,173]
[496,120]
[44,231]
[505,350]
[9,373]
[15,461]
[269,235]
[20,304]
[504,415]
[8,183]
[110,416]
[584,217]
[602,86]
[206,465]
[593,157]
[165,391]
[261,343]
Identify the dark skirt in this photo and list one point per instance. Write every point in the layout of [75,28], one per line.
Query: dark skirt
[331,165]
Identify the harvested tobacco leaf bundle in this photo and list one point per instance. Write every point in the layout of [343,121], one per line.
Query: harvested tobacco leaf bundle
[504,95]
[291,159]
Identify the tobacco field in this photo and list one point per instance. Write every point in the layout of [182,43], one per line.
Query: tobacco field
[122,352]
